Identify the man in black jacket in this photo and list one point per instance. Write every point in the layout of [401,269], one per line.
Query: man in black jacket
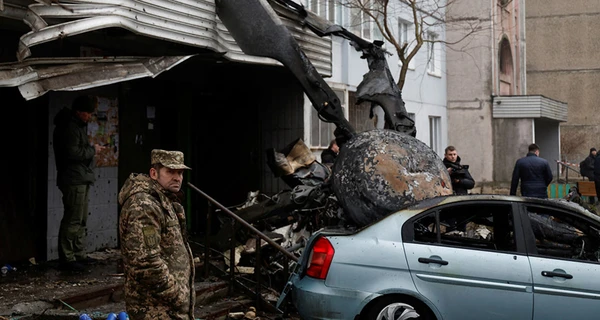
[597,176]
[535,174]
[587,165]
[459,174]
[74,163]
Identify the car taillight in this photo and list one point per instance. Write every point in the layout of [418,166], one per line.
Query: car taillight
[320,259]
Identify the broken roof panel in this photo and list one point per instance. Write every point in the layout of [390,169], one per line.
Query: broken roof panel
[35,77]
[193,23]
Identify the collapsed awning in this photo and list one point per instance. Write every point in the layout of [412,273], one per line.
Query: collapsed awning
[192,23]
[35,77]
[189,22]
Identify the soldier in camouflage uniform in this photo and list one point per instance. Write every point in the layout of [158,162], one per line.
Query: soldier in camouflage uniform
[157,258]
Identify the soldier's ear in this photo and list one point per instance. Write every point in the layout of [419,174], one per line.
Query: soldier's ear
[153,173]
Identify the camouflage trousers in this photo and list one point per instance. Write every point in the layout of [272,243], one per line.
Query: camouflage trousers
[71,235]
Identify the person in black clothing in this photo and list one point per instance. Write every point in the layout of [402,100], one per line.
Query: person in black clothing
[587,166]
[597,176]
[535,174]
[328,156]
[459,174]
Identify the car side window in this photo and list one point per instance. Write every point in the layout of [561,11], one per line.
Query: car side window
[484,226]
[562,235]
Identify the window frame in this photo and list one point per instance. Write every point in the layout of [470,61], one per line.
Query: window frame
[317,127]
[331,10]
[433,54]
[365,28]
[435,133]
[405,26]
[408,234]
[532,249]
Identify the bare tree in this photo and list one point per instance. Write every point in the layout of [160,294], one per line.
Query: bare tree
[425,15]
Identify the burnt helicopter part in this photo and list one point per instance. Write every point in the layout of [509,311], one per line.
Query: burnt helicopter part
[379,88]
[377,172]
[381,171]
[258,31]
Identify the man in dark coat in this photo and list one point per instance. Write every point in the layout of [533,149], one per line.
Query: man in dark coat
[157,258]
[597,176]
[459,174]
[588,164]
[74,163]
[535,174]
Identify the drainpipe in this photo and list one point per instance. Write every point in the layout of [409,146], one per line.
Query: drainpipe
[523,20]
[493,46]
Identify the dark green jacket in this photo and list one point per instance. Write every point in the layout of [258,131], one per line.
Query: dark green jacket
[72,150]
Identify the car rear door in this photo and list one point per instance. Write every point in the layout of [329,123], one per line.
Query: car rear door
[469,260]
[564,254]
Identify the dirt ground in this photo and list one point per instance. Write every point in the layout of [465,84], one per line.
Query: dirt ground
[43,282]
[41,291]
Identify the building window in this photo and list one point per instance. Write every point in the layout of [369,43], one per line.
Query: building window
[435,134]
[506,73]
[433,54]
[404,32]
[363,25]
[328,9]
[322,132]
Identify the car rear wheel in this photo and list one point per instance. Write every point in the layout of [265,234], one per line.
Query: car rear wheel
[398,309]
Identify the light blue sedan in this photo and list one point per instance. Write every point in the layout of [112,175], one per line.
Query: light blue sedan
[456,257]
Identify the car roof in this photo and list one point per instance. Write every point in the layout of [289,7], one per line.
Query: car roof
[426,204]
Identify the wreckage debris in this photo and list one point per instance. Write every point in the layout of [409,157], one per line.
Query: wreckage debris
[379,172]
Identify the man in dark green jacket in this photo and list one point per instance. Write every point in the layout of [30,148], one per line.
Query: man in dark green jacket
[74,162]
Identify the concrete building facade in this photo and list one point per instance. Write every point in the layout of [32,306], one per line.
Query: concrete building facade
[562,63]
[491,118]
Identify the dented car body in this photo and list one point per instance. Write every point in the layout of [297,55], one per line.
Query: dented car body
[455,257]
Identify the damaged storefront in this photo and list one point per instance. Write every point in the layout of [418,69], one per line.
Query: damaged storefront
[176,79]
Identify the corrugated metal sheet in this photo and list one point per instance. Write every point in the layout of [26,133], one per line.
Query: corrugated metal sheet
[534,106]
[189,22]
[35,77]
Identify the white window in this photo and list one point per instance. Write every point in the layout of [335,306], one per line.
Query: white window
[321,133]
[405,34]
[402,32]
[328,9]
[361,24]
[435,134]
[433,54]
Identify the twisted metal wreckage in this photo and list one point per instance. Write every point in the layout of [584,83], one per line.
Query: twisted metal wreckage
[377,172]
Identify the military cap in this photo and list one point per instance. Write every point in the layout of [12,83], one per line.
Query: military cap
[169,159]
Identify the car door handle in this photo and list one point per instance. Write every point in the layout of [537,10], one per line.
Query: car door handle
[556,274]
[437,261]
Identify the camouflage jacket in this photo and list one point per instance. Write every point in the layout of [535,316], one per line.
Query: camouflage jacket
[157,258]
